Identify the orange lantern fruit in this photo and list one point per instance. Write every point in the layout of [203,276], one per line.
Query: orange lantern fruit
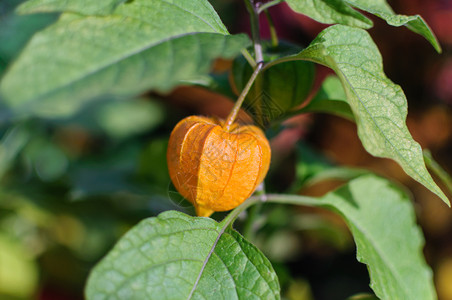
[214,167]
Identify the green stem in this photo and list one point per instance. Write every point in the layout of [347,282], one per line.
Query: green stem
[254,17]
[235,110]
[271,25]
[246,54]
[258,65]
[268,5]
[281,60]
[292,199]
[271,198]
[232,216]
[255,31]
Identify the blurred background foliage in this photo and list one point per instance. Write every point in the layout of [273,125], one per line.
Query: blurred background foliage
[69,188]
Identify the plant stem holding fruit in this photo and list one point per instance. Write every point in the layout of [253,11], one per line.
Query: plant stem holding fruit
[235,110]
[259,60]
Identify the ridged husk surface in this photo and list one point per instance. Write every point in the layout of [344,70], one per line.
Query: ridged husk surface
[215,169]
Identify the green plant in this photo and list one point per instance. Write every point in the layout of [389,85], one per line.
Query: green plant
[110,50]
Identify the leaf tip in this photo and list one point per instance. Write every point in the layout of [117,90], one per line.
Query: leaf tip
[442,196]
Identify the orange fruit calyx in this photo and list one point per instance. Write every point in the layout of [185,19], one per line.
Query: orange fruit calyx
[214,168]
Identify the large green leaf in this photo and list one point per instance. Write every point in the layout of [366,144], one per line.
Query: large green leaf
[382,221]
[381,9]
[341,12]
[175,256]
[379,105]
[330,12]
[88,7]
[16,30]
[137,48]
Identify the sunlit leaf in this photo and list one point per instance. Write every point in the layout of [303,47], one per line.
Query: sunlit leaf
[381,9]
[388,241]
[382,221]
[136,48]
[87,7]
[175,256]
[330,12]
[343,12]
[379,105]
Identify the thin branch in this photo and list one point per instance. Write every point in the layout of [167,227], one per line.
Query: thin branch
[247,55]
[235,110]
[255,31]
[271,198]
[271,25]
[268,5]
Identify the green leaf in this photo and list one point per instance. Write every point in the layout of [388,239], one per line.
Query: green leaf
[382,221]
[330,98]
[382,9]
[175,256]
[379,105]
[330,12]
[341,12]
[87,7]
[137,48]
[15,31]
